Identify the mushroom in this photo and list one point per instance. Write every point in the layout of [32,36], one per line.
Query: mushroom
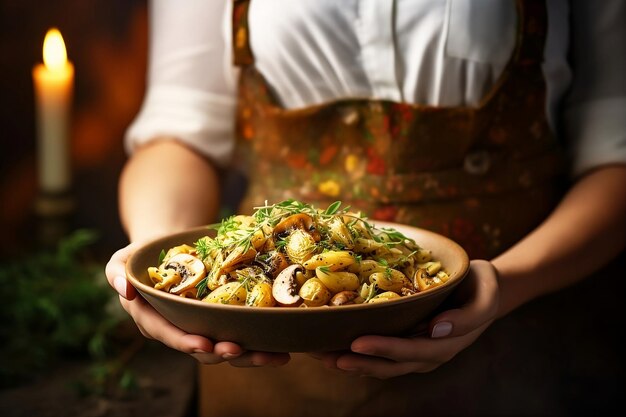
[343,298]
[285,287]
[190,269]
[300,221]
[274,263]
[422,281]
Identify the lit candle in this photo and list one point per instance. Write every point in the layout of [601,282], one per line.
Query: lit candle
[53,81]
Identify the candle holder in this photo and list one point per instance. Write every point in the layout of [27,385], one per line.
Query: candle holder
[54,212]
[54,204]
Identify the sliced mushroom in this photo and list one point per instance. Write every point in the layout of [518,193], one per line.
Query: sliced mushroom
[285,287]
[274,263]
[422,281]
[190,269]
[162,278]
[300,221]
[344,298]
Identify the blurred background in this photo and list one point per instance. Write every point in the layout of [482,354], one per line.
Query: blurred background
[64,339]
[66,349]
[106,41]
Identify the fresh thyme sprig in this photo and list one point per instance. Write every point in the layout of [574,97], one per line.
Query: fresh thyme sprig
[237,232]
[202,287]
[161,256]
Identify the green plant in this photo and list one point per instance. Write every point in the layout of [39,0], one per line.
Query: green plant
[53,303]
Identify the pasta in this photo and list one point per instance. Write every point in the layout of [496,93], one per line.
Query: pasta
[292,254]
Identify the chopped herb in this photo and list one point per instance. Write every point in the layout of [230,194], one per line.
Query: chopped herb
[202,288]
[332,209]
[161,256]
[325,269]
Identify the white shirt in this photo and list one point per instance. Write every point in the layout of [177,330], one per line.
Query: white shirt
[433,52]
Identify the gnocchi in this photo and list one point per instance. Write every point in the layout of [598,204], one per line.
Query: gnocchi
[291,254]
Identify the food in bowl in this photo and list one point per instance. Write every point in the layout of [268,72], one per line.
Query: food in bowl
[292,254]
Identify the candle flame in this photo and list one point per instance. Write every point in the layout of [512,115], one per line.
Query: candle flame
[54,54]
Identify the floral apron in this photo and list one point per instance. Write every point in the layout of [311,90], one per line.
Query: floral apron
[485,176]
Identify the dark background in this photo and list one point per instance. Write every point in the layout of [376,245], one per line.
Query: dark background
[579,332]
[106,40]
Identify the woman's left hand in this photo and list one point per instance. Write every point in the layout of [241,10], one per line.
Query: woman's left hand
[448,333]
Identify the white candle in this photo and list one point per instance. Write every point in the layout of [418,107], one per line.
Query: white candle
[53,81]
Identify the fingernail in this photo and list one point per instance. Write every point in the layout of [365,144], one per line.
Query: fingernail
[363,349]
[120,285]
[441,329]
[199,351]
[228,356]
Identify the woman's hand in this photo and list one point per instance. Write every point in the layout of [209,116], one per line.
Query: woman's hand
[154,326]
[448,333]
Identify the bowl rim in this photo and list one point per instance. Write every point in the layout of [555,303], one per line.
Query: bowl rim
[144,288]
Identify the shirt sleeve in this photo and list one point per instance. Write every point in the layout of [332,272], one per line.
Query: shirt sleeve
[191,81]
[594,112]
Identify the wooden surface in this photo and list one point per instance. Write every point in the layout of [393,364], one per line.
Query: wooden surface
[166,385]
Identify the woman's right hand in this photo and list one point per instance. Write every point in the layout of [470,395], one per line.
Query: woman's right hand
[154,326]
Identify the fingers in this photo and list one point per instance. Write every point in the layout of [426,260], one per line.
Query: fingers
[328,359]
[450,332]
[481,306]
[385,357]
[379,367]
[115,271]
[222,351]
[249,359]
[154,326]
[419,349]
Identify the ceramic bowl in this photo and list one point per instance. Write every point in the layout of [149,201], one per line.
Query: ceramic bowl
[284,329]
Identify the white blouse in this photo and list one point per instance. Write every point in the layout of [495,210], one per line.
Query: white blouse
[434,52]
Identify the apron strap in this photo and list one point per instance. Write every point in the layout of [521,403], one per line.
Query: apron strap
[533,32]
[242,54]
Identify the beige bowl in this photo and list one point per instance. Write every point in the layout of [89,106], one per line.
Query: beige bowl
[283,329]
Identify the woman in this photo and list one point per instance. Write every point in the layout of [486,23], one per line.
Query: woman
[449,115]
